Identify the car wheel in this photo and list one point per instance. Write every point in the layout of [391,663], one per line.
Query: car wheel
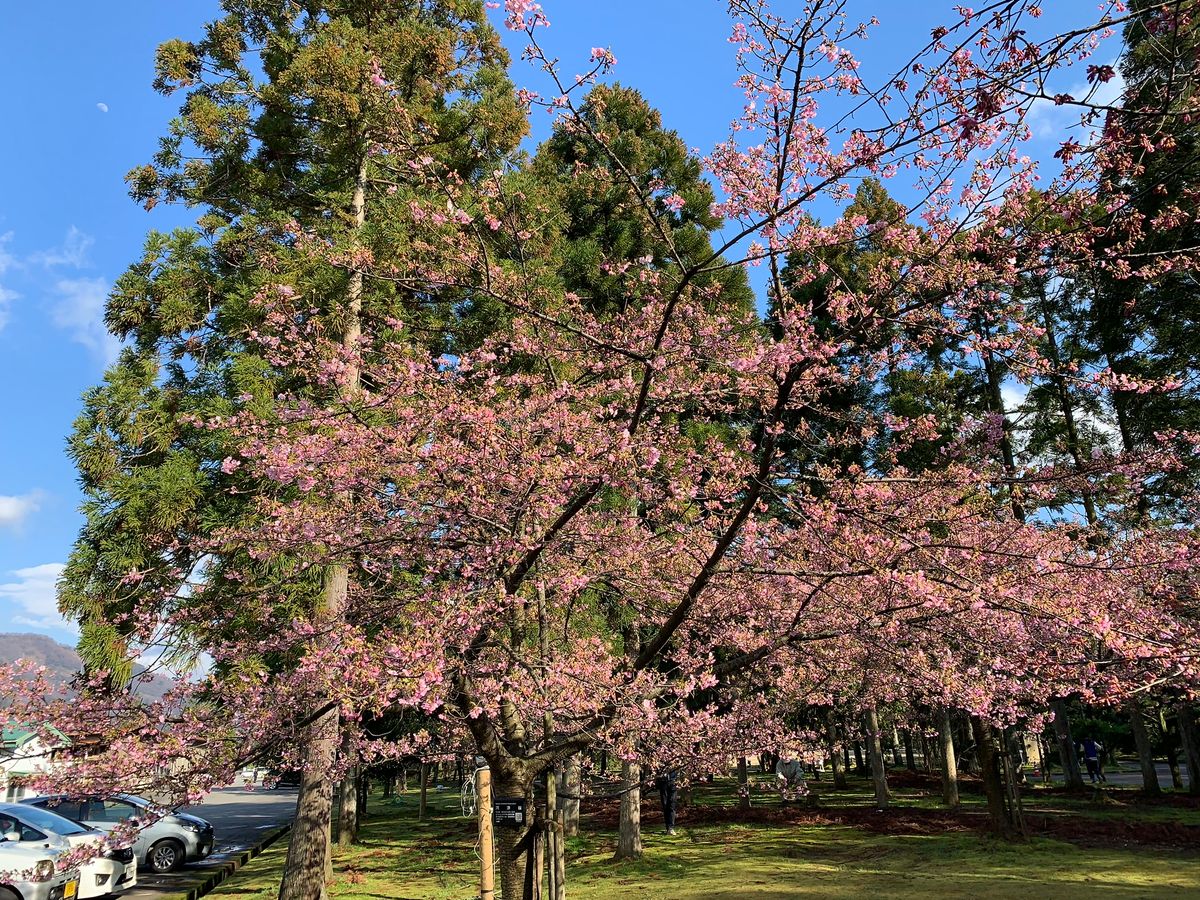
[6,894]
[165,856]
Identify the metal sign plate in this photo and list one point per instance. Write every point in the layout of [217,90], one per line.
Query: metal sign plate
[509,812]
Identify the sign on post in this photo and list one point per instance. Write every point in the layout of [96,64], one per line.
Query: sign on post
[509,812]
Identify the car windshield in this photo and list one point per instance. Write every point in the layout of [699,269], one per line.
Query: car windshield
[52,822]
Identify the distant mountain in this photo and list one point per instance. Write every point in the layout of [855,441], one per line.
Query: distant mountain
[63,662]
[41,649]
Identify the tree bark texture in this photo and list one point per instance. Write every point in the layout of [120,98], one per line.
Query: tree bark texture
[1066,745]
[836,758]
[629,835]
[993,780]
[348,817]
[948,760]
[1189,736]
[1145,751]
[875,750]
[571,783]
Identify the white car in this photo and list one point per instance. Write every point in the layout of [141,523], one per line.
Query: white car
[30,872]
[106,872]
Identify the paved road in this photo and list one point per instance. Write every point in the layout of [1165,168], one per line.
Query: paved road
[239,817]
[1128,775]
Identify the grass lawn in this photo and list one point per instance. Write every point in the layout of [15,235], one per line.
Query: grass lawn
[400,857]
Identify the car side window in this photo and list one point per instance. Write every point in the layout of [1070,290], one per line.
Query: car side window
[28,833]
[71,809]
[113,811]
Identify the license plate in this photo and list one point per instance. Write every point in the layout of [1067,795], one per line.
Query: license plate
[70,889]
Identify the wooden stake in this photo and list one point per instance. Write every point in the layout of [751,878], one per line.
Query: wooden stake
[487,871]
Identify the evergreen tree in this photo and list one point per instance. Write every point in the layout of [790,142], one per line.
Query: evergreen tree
[304,125]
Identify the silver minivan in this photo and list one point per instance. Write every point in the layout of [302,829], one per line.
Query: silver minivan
[165,840]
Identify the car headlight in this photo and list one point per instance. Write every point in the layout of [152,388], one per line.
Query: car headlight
[193,827]
[44,870]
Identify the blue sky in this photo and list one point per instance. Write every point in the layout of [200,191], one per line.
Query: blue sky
[78,112]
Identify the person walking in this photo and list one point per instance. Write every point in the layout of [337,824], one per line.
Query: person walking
[1092,749]
[666,796]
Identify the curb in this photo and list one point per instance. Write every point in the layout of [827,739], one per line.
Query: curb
[228,868]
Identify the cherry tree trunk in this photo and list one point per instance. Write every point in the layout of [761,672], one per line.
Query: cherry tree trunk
[1066,745]
[629,834]
[948,761]
[1170,740]
[1145,752]
[348,817]
[875,750]
[511,843]
[1189,735]
[835,758]
[910,760]
[570,786]
[897,759]
[993,780]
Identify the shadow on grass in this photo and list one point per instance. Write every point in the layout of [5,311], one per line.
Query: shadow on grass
[399,857]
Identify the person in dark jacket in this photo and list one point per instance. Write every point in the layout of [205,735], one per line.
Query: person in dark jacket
[1091,758]
[666,795]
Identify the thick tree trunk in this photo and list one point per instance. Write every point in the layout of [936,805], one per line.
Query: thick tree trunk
[511,843]
[571,783]
[993,780]
[309,861]
[948,760]
[1066,745]
[859,765]
[629,835]
[910,759]
[1189,736]
[875,749]
[348,816]
[1145,752]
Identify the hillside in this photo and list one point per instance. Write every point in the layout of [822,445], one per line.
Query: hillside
[62,661]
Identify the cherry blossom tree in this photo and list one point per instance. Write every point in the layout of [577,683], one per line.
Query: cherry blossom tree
[582,529]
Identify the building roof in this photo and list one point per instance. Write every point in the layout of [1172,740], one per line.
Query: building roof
[14,737]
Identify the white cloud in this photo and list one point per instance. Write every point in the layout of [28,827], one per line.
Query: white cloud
[14,510]
[103,107]
[35,595]
[1048,121]
[1013,394]
[72,253]
[80,312]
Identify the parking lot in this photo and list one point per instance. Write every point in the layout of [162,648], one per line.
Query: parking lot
[240,817]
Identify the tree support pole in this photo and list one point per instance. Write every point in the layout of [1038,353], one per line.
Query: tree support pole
[487,866]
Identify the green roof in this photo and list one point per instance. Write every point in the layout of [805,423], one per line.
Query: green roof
[14,737]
